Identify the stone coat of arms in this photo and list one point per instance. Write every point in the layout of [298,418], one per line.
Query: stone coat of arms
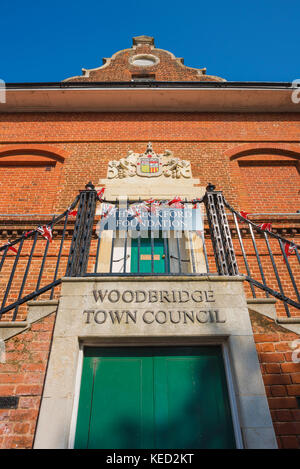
[149,164]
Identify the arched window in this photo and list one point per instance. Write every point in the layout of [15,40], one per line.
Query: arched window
[29,179]
[266,179]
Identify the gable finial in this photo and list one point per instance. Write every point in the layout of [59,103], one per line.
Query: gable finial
[149,148]
[142,40]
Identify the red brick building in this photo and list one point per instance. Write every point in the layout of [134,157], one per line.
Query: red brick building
[241,137]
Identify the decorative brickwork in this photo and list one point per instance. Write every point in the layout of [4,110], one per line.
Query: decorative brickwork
[144,61]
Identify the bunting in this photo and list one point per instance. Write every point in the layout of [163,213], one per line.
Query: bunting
[107,208]
[151,206]
[28,233]
[288,248]
[11,248]
[175,203]
[265,226]
[134,213]
[73,213]
[244,214]
[46,232]
[100,194]
[196,203]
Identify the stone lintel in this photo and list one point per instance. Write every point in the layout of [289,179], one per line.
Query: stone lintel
[158,278]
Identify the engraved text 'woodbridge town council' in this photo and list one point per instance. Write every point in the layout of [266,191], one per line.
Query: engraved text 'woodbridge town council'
[154,307]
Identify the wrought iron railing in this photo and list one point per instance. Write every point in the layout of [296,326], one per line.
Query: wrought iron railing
[35,265]
[267,263]
[178,246]
[228,245]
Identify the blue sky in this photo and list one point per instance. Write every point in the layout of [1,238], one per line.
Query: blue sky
[258,40]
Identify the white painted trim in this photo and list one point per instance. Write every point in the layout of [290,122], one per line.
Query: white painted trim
[150,100]
[76,397]
[232,398]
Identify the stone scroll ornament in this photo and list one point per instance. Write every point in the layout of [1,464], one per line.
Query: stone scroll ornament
[149,164]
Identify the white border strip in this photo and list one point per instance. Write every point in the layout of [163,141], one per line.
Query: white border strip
[76,398]
[232,398]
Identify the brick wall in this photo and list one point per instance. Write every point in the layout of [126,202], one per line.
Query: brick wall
[28,188]
[79,147]
[23,375]
[89,141]
[281,377]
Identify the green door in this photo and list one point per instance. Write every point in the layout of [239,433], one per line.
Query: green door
[159,398]
[143,254]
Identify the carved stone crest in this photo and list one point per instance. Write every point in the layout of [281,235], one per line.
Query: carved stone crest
[149,164]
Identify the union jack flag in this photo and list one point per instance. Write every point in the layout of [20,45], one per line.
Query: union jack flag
[106,210]
[265,226]
[133,213]
[151,205]
[45,231]
[176,203]
[288,248]
[100,194]
[244,214]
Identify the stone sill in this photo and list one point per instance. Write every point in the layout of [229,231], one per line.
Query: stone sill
[14,324]
[160,278]
[42,302]
[259,301]
[288,320]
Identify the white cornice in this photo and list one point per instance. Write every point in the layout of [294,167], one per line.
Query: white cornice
[148,100]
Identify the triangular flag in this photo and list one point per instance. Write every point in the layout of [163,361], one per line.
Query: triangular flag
[45,231]
[265,226]
[176,203]
[100,194]
[244,214]
[288,248]
[73,213]
[11,248]
[106,210]
[28,233]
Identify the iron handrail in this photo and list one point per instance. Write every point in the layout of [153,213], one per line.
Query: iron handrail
[78,257]
[54,221]
[257,228]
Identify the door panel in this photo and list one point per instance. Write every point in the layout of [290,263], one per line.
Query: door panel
[119,411]
[192,408]
[145,255]
[154,398]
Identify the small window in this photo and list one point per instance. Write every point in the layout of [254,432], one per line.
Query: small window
[144,60]
[145,77]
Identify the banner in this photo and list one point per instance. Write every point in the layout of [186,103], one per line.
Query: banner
[163,219]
